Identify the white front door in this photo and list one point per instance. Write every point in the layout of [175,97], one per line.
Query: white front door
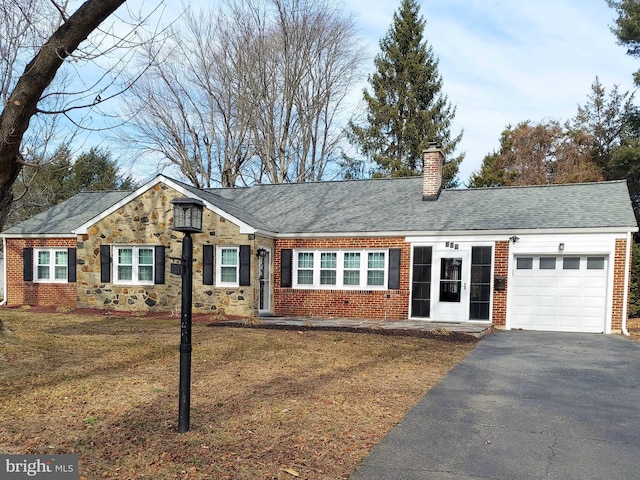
[450,287]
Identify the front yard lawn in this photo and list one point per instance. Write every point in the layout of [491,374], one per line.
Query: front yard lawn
[264,403]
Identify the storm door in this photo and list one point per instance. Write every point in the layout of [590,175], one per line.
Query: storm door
[264,294]
[451,284]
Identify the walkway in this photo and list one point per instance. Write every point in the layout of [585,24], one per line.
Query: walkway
[416,328]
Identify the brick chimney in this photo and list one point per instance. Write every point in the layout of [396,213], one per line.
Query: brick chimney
[432,159]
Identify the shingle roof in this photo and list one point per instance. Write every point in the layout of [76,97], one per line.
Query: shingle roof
[381,205]
[396,205]
[64,217]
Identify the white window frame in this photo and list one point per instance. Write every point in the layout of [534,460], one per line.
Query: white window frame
[52,265]
[219,266]
[340,285]
[135,264]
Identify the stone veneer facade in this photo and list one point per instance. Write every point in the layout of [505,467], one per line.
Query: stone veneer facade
[148,220]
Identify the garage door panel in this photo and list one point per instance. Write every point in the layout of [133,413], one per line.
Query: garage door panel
[569,300]
[546,282]
[570,282]
[546,301]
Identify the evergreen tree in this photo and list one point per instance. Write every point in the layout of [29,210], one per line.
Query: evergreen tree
[406,108]
[48,181]
[611,120]
[95,170]
[627,28]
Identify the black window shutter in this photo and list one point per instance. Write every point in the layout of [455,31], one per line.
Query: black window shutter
[71,265]
[394,269]
[105,263]
[286,267]
[158,260]
[27,264]
[245,265]
[207,264]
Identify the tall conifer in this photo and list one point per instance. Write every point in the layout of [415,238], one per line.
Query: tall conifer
[406,108]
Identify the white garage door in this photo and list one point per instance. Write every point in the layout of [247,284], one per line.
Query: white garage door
[559,293]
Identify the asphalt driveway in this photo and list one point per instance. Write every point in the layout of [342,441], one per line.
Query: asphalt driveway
[523,405]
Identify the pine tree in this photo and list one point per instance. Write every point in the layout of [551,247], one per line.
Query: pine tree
[406,108]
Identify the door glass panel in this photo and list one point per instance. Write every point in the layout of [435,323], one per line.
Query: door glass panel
[595,263]
[450,279]
[571,263]
[547,263]
[524,263]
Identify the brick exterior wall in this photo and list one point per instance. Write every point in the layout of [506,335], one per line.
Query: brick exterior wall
[501,268]
[618,284]
[432,160]
[379,304]
[44,294]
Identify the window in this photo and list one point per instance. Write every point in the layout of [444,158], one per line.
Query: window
[480,294]
[328,268]
[571,263]
[547,263]
[595,263]
[228,267]
[375,269]
[51,265]
[134,265]
[305,268]
[349,269]
[524,263]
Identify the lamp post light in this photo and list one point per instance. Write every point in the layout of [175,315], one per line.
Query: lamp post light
[187,218]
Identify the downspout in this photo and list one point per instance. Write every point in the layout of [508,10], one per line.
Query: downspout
[625,296]
[4,270]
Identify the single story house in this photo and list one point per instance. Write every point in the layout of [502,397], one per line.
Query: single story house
[553,257]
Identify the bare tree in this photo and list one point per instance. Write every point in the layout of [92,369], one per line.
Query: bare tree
[305,63]
[187,108]
[252,91]
[39,39]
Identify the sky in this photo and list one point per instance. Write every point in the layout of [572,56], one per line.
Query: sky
[505,61]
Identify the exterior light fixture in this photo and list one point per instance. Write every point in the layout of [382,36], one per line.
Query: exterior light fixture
[561,247]
[261,253]
[514,239]
[187,218]
[187,215]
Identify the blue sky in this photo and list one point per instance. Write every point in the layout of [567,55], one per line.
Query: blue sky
[506,61]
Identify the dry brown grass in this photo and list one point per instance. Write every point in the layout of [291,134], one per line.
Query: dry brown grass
[264,403]
[633,327]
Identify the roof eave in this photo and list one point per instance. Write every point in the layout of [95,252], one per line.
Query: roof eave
[469,233]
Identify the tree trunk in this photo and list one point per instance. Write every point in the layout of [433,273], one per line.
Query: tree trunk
[23,101]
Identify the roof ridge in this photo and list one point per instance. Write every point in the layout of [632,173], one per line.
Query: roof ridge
[316,182]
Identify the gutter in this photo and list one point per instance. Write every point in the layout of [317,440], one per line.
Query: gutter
[625,296]
[4,270]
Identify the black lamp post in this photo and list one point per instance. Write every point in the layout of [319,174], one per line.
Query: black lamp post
[187,218]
